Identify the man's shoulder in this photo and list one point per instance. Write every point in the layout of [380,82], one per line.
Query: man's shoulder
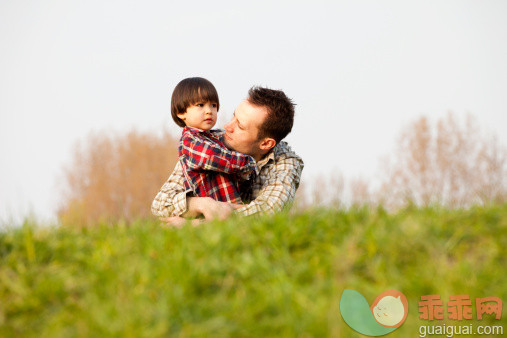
[283,151]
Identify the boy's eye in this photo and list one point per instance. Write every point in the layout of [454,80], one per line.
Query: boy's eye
[200,105]
[214,105]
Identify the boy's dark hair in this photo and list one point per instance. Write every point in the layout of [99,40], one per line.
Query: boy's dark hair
[280,119]
[190,91]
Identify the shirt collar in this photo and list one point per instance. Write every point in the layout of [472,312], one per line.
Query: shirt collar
[193,129]
[265,160]
[214,133]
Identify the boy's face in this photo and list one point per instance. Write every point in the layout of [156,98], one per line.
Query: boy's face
[202,115]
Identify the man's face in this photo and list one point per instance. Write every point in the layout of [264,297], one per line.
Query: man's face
[241,133]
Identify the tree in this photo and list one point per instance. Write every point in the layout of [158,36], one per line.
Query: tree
[115,177]
[450,164]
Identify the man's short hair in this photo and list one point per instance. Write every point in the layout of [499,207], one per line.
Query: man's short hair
[280,118]
[190,91]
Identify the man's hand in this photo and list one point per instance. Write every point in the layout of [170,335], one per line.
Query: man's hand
[210,208]
[175,221]
[178,222]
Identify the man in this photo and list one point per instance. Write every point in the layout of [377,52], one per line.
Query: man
[257,128]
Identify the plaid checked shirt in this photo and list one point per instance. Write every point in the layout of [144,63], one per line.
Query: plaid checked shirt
[272,189]
[210,169]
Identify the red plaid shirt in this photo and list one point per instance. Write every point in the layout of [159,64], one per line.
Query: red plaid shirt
[210,168]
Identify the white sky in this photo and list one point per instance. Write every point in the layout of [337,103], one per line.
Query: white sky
[358,70]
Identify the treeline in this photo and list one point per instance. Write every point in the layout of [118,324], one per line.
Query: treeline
[114,177]
[447,162]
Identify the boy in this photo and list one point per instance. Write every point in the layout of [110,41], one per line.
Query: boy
[210,169]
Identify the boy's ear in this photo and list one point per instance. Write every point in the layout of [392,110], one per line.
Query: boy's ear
[181,115]
[267,143]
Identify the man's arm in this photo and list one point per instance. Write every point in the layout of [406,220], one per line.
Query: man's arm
[172,201]
[279,189]
[199,152]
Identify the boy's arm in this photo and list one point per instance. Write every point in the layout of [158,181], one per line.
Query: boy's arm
[278,192]
[201,153]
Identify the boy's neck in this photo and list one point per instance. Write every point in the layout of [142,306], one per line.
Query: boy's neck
[198,128]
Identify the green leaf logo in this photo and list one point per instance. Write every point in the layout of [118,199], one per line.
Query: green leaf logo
[386,314]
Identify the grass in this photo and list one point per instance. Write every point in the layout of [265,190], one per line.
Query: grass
[277,275]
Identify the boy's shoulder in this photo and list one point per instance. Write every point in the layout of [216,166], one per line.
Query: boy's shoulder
[189,131]
[191,135]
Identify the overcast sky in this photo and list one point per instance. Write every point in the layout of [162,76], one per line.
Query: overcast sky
[358,71]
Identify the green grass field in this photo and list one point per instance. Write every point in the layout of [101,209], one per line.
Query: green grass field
[270,276]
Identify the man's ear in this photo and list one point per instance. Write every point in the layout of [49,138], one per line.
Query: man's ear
[267,143]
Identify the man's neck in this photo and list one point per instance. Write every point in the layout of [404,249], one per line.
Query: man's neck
[260,156]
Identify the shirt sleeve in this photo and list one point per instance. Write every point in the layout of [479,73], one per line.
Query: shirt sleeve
[171,200]
[279,191]
[202,153]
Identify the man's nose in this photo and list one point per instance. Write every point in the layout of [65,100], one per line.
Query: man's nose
[227,127]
